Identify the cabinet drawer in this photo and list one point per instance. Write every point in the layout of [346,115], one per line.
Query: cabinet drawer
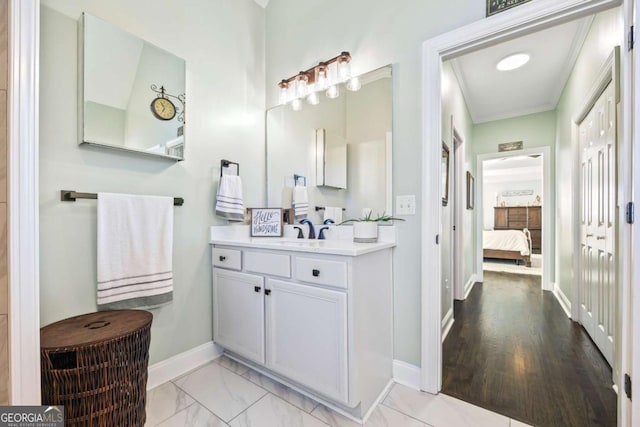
[267,263]
[226,258]
[322,271]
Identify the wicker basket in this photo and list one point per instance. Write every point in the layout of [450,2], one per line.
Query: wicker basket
[96,366]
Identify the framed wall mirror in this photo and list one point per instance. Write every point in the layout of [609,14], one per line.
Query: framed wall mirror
[471,191]
[343,146]
[445,174]
[131,93]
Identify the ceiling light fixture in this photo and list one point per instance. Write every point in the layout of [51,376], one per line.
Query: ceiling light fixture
[512,62]
[323,77]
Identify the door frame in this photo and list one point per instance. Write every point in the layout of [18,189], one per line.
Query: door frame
[545,151]
[459,207]
[24,285]
[525,19]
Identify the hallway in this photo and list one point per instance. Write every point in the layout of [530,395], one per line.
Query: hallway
[513,350]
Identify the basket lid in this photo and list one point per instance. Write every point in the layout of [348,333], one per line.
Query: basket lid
[93,328]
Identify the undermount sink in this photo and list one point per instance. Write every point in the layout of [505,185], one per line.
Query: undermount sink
[301,242]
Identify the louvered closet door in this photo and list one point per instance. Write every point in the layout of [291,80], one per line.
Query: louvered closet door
[598,193]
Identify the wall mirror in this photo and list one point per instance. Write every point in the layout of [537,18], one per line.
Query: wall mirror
[343,146]
[131,93]
[445,174]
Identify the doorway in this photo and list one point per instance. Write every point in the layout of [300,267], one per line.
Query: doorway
[523,20]
[512,214]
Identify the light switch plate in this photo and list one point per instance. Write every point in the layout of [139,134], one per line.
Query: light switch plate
[406,205]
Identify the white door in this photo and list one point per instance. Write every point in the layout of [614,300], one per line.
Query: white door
[238,313]
[307,336]
[598,290]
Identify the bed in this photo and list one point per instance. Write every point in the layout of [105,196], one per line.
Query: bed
[507,244]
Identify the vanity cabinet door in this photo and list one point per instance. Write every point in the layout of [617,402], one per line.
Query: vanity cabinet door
[306,331]
[238,313]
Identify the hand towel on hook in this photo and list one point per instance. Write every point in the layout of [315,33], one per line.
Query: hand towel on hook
[135,250]
[229,202]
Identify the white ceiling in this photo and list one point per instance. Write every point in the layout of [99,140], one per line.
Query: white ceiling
[262,3]
[492,95]
[510,169]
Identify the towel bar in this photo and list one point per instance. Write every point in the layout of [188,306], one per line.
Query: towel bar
[71,196]
[321,208]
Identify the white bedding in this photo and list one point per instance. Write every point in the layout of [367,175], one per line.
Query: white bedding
[505,240]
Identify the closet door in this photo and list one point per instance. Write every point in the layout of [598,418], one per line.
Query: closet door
[598,290]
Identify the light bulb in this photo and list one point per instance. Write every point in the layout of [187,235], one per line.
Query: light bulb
[296,104]
[313,98]
[283,95]
[344,70]
[301,86]
[291,91]
[333,92]
[322,81]
[354,84]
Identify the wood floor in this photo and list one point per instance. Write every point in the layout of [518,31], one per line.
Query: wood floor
[513,350]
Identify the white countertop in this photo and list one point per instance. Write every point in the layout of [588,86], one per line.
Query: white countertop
[339,241]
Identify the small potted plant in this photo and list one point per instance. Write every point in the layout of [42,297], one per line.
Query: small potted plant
[365,229]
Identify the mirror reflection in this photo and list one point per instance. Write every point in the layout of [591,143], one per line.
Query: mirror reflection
[342,146]
[132,93]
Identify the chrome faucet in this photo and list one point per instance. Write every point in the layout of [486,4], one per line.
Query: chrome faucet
[312,232]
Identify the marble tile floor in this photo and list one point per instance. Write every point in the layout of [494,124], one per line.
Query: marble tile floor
[226,393]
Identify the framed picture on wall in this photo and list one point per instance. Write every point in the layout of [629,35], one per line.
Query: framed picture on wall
[471,191]
[444,168]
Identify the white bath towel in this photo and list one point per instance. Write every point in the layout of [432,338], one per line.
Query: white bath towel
[300,202]
[135,250]
[229,202]
[333,213]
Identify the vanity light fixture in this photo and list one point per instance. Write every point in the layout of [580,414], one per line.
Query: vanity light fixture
[323,77]
[512,62]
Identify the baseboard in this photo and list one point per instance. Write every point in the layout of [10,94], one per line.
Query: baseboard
[406,374]
[447,323]
[469,285]
[161,372]
[378,401]
[562,299]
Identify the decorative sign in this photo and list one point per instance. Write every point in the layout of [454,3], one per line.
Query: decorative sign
[497,6]
[517,193]
[266,222]
[510,146]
